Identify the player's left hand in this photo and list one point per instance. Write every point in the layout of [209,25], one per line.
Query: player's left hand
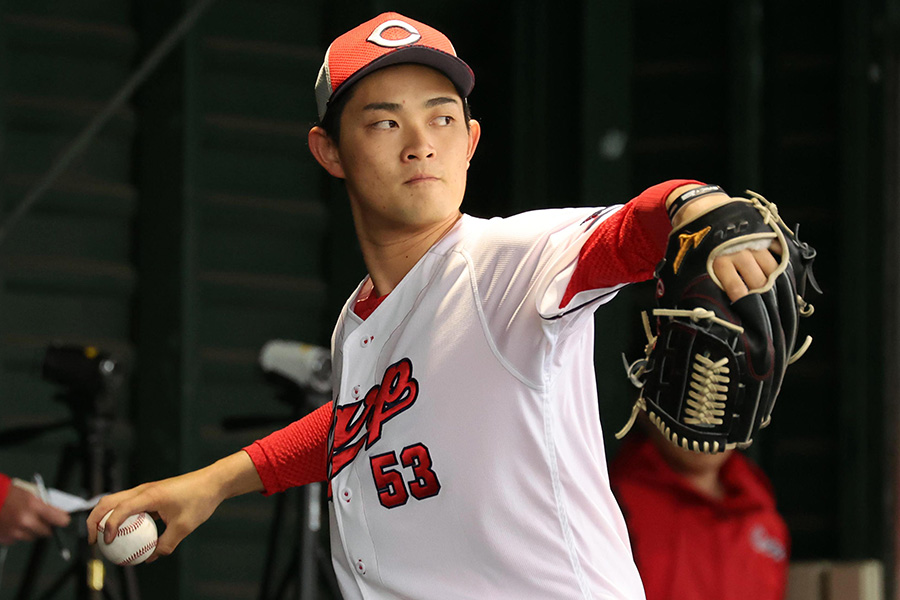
[742,271]
[727,323]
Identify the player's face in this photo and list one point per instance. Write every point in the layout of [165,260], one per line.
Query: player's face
[404,149]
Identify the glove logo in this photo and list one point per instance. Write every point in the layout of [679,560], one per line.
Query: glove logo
[687,241]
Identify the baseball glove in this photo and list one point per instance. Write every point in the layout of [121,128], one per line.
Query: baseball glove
[712,368]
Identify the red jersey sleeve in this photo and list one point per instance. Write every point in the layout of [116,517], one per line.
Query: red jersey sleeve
[5,482]
[627,246]
[295,455]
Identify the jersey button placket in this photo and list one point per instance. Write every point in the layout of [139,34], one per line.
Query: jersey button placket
[348,508]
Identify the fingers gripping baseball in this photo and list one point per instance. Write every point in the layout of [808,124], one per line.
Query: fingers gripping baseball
[183,503]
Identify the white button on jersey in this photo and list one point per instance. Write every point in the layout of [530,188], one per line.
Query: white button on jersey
[361,567]
[346,495]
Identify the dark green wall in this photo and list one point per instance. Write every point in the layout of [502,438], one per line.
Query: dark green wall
[195,227]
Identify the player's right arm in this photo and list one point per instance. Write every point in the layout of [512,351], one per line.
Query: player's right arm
[292,456]
[183,502]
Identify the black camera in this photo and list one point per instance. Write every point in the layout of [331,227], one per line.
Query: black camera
[81,369]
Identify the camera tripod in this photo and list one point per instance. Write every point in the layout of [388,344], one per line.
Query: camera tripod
[309,561]
[89,396]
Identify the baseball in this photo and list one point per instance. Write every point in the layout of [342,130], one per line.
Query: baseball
[134,542]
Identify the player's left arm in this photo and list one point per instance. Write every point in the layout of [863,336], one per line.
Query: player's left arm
[627,246]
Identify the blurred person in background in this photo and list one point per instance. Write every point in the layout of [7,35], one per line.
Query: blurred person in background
[24,516]
[701,525]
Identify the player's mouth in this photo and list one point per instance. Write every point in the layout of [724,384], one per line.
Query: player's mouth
[421,178]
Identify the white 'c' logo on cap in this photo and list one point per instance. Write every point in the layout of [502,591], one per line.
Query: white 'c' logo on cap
[378,38]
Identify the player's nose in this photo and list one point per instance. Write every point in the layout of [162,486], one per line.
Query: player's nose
[418,144]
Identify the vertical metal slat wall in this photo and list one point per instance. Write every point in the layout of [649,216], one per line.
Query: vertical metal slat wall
[232,240]
[67,269]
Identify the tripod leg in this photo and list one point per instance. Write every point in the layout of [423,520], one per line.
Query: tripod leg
[286,577]
[59,582]
[323,555]
[35,560]
[112,480]
[310,521]
[326,570]
[111,592]
[272,550]
[32,568]
[303,554]
[131,586]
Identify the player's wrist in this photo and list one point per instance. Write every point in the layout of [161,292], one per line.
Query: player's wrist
[689,201]
[232,476]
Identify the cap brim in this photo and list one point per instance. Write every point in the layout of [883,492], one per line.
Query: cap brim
[456,70]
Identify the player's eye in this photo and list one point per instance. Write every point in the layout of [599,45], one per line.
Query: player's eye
[443,120]
[385,124]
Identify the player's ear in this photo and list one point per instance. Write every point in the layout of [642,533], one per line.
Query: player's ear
[325,151]
[474,136]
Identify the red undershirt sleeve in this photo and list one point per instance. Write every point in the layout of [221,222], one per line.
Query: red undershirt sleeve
[295,455]
[5,482]
[628,245]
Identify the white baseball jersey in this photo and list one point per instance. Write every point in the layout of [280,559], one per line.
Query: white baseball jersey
[466,457]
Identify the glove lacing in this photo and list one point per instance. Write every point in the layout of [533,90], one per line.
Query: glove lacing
[708,393]
[704,404]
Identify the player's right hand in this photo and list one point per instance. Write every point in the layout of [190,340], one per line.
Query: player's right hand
[183,503]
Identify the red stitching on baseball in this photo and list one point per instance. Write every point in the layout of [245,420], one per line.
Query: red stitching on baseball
[126,529]
[123,530]
[148,547]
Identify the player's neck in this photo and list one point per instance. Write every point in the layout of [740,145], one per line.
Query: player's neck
[390,255]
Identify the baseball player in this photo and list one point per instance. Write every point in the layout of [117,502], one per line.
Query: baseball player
[463,448]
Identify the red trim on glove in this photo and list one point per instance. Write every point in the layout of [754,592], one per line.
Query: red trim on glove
[628,245]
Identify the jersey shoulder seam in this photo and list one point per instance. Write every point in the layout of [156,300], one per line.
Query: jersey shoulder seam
[482,319]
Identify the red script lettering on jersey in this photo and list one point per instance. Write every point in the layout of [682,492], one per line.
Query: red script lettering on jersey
[359,424]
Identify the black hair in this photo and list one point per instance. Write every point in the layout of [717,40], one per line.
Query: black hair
[331,123]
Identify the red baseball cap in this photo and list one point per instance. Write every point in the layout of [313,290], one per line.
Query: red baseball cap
[388,39]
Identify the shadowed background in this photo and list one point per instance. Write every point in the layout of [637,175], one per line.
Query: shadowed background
[196,226]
